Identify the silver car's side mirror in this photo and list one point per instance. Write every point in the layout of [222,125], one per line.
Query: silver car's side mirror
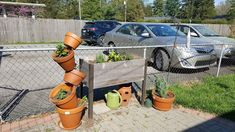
[145,35]
[193,34]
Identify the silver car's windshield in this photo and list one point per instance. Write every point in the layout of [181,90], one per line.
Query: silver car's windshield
[206,31]
[164,30]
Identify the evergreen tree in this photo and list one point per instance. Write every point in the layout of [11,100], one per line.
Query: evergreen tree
[158,7]
[172,7]
[194,9]
[148,10]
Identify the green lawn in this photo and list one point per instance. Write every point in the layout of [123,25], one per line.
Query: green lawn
[213,95]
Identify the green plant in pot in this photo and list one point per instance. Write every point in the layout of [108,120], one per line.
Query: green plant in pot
[62,94]
[113,57]
[64,56]
[162,97]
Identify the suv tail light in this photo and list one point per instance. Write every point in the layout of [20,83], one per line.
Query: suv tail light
[92,29]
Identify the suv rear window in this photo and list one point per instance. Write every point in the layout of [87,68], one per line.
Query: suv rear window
[107,25]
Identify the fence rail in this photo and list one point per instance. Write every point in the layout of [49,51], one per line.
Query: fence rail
[13,30]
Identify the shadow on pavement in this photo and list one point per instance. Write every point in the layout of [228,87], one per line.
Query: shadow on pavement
[210,125]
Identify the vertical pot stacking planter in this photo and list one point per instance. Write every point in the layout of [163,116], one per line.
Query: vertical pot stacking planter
[74,77]
[69,102]
[68,106]
[70,118]
[72,40]
[67,62]
[125,92]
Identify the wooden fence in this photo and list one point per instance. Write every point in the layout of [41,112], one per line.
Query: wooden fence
[13,30]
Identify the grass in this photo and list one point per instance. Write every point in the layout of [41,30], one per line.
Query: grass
[213,95]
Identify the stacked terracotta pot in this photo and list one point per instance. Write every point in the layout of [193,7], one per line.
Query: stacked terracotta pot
[125,92]
[69,112]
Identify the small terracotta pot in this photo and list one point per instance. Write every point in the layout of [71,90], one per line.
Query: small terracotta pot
[74,77]
[69,102]
[67,62]
[70,118]
[163,104]
[125,92]
[72,40]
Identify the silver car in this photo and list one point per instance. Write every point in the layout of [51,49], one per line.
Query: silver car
[140,34]
[201,31]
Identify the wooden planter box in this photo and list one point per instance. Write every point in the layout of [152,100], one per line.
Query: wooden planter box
[113,73]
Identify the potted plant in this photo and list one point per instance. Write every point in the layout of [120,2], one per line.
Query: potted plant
[74,77]
[64,56]
[71,118]
[162,97]
[72,40]
[64,96]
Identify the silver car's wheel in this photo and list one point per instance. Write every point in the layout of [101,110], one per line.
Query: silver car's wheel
[161,60]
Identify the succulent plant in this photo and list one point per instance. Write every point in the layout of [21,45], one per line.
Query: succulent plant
[62,94]
[61,50]
[161,87]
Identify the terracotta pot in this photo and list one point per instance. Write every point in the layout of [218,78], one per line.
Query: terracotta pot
[67,62]
[70,118]
[74,77]
[125,92]
[72,40]
[163,104]
[69,102]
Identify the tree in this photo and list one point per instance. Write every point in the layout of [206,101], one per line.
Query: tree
[231,13]
[223,8]
[158,7]
[91,10]
[172,7]
[148,10]
[195,9]
[135,10]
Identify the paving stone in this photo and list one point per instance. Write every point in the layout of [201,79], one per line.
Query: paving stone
[130,119]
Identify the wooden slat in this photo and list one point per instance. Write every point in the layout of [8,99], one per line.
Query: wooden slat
[113,73]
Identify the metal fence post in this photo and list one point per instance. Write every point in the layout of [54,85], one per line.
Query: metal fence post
[220,60]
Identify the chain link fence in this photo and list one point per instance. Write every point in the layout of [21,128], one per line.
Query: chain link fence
[31,67]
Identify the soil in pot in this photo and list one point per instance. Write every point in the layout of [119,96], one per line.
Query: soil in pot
[67,62]
[72,40]
[69,102]
[70,118]
[74,77]
[163,104]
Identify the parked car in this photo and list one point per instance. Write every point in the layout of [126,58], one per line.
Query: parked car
[93,32]
[201,31]
[140,34]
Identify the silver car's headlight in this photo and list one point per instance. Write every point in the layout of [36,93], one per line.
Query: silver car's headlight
[184,51]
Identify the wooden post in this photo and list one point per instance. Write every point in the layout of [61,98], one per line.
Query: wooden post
[90,91]
[143,96]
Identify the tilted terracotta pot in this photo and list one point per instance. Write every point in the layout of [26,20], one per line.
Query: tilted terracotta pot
[67,62]
[74,77]
[70,118]
[125,92]
[69,102]
[163,104]
[72,40]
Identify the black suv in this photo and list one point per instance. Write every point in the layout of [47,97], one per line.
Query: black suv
[93,32]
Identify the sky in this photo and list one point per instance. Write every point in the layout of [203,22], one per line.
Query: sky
[216,1]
